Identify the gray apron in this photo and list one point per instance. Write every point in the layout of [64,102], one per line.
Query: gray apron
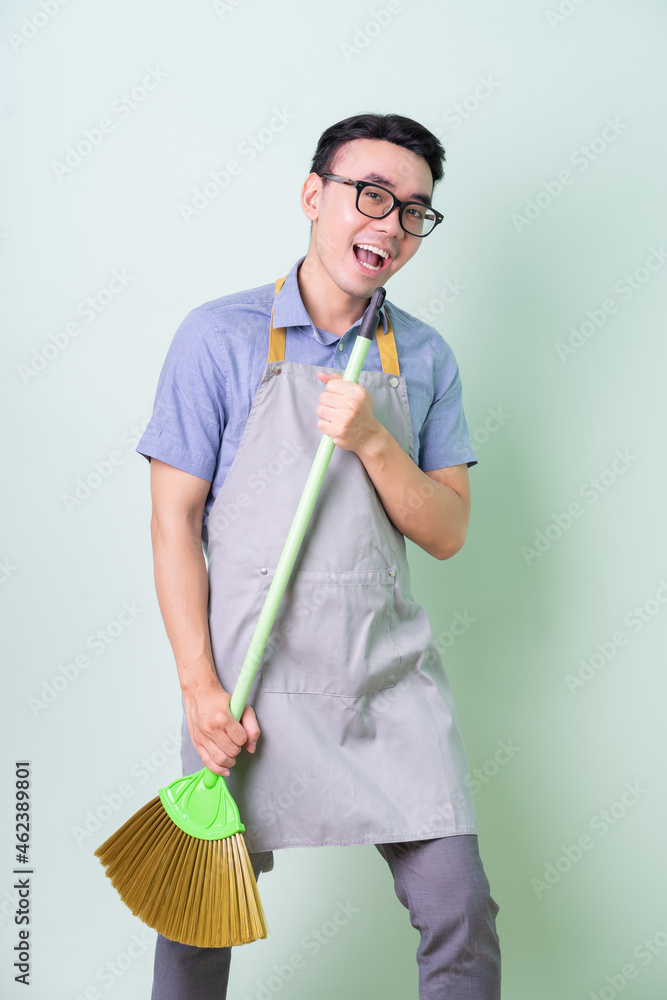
[360,739]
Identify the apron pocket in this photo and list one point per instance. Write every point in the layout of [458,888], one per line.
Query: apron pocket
[333,636]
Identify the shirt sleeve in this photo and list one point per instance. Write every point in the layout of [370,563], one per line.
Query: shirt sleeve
[444,438]
[185,429]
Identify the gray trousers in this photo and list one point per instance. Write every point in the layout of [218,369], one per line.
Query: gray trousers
[442,884]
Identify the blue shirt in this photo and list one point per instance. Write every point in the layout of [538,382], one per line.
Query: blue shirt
[217,358]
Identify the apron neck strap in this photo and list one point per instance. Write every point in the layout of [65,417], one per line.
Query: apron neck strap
[385,341]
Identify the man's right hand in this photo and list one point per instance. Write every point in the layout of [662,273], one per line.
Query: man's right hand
[216,735]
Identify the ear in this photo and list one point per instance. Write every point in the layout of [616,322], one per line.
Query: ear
[311,193]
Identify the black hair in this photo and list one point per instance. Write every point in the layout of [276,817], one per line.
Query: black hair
[392,128]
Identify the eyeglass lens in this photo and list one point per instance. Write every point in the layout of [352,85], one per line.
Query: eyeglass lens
[417,219]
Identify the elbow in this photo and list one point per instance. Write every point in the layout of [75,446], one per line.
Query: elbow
[167,530]
[453,538]
[172,529]
[448,547]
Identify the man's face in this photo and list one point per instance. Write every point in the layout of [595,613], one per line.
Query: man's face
[339,228]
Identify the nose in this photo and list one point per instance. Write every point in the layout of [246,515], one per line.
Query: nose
[390,224]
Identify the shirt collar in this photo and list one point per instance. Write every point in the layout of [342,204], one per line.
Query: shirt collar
[289,310]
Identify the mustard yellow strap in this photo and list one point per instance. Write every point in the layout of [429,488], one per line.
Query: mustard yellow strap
[387,348]
[277,337]
[385,341]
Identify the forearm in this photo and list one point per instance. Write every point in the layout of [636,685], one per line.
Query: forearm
[181,583]
[429,513]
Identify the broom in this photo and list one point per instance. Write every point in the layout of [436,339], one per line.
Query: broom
[180,863]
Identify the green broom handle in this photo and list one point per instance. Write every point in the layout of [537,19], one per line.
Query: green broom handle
[301,519]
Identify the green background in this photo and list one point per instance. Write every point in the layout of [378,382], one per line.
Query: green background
[535,89]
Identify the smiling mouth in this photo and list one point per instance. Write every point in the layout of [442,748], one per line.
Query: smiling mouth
[371,257]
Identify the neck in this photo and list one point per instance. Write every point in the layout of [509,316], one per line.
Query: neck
[328,306]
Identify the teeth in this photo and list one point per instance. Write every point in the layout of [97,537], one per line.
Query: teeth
[377,250]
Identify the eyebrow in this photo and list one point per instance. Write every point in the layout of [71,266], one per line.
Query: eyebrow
[380,179]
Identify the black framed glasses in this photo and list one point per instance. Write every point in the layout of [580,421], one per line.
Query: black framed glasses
[376,202]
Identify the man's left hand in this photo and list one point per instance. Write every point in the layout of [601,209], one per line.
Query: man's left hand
[346,413]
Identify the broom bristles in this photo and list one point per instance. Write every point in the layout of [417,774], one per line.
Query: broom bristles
[197,892]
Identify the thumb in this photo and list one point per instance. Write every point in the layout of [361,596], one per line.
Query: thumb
[327,376]
[249,722]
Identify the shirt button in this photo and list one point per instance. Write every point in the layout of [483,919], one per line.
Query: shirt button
[264,571]
[392,572]
[340,346]
[393,382]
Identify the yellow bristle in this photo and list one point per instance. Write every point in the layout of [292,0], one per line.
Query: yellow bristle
[197,892]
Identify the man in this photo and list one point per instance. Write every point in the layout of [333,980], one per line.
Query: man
[350,725]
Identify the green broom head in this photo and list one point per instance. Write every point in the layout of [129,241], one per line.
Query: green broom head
[181,865]
[202,805]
